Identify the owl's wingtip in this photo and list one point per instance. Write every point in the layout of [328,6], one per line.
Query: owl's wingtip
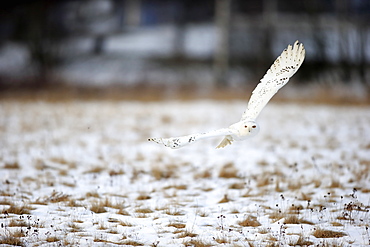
[156,140]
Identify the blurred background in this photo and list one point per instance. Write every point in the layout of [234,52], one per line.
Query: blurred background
[177,48]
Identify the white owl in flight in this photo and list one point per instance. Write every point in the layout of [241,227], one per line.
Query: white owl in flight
[276,77]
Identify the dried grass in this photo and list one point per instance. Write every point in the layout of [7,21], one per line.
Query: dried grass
[96,169]
[98,207]
[228,171]
[131,242]
[175,211]
[222,240]
[293,219]
[17,223]
[301,241]
[52,239]
[202,213]
[263,230]
[12,165]
[237,186]
[143,210]
[11,240]
[18,209]
[116,172]
[74,227]
[125,223]
[249,221]
[58,197]
[322,233]
[186,233]
[203,174]
[177,225]
[165,172]
[196,243]
[143,196]
[225,199]
[6,201]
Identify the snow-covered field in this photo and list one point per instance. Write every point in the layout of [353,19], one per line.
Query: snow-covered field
[82,173]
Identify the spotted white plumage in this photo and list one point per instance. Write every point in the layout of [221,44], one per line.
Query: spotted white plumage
[284,67]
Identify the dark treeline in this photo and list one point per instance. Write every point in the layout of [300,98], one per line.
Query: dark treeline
[251,33]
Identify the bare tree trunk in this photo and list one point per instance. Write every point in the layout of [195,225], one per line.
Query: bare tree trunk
[342,23]
[180,28]
[363,40]
[133,13]
[221,58]
[269,18]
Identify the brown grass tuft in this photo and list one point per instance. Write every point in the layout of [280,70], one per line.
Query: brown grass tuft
[96,169]
[11,240]
[267,180]
[178,187]
[17,223]
[335,184]
[163,172]
[334,223]
[173,211]
[301,241]
[249,221]
[322,233]
[63,172]
[224,199]
[203,174]
[276,215]
[263,230]
[293,219]
[177,225]
[92,194]
[108,202]
[143,210]
[222,240]
[74,227]
[18,209]
[125,223]
[6,202]
[132,243]
[295,209]
[58,197]
[12,165]
[122,211]
[52,239]
[186,233]
[98,207]
[143,196]
[202,213]
[116,172]
[305,197]
[228,171]
[196,243]
[237,186]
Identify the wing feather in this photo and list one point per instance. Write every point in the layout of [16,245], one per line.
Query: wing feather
[178,142]
[284,67]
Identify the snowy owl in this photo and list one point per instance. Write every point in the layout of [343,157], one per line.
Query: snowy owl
[276,77]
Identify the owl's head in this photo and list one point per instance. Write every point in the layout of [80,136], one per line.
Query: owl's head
[248,128]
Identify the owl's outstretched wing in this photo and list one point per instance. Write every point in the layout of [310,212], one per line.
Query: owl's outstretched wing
[276,77]
[178,142]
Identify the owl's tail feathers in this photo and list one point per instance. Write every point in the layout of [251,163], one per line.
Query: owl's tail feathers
[226,141]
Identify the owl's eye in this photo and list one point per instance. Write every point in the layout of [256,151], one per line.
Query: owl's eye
[254,126]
